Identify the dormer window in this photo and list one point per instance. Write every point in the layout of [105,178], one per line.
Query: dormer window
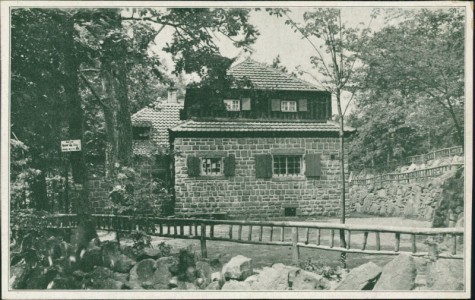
[232,105]
[288,106]
[141,132]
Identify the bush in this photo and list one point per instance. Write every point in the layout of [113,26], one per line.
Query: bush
[452,200]
[321,268]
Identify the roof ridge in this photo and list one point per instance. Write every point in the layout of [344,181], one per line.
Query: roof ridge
[270,68]
[275,71]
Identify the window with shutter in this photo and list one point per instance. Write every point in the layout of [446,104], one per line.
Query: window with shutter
[246,103]
[229,166]
[313,167]
[211,166]
[303,105]
[263,166]
[288,106]
[287,165]
[193,165]
[275,105]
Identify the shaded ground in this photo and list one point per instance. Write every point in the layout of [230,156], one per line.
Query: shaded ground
[264,255]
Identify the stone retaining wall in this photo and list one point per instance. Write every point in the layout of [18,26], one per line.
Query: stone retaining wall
[417,199]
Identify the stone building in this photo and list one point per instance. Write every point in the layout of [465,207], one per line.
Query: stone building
[265,150]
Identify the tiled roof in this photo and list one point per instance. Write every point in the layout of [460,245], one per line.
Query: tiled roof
[230,126]
[265,77]
[162,117]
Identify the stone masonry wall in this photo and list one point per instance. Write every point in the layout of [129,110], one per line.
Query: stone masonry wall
[417,199]
[246,196]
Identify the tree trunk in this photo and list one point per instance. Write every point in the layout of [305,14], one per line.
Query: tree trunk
[117,114]
[85,230]
[342,159]
[460,138]
[342,177]
[39,191]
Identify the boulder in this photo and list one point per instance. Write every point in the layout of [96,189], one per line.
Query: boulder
[409,209]
[90,258]
[104,279]
[305,280]
[122,263]
[214,286]
[234,285]
[162,273]
[191,286]
[204,271]
[122,277]
[445,275]
[239,267]
[216,276]
[141,273]
[273,279]
[398,274]
[173,282]
[107,284]
[381,193]
[374,209]
[149,253]
[360,277]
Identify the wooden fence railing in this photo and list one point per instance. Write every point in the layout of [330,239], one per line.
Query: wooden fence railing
[447,152]
[405,177]
[386,240]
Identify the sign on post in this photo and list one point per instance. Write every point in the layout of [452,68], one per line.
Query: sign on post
[70,145]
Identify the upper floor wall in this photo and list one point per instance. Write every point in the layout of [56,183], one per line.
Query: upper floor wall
[257,104]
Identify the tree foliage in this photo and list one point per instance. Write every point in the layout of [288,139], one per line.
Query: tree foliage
[412,71]
[79,73]
[337,47]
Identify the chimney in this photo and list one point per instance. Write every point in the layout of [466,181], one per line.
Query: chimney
[172,90]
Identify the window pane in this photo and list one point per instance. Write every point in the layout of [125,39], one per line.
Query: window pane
[211,166]
[279,165]
[288,105]
[232,105]
[287,165]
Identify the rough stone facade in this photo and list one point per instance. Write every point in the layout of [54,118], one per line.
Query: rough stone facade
[417,199]
[246,196]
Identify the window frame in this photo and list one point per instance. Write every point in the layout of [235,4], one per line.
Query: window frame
[235,104]
[218,159]
[301,166]
[286,107]
[147,133]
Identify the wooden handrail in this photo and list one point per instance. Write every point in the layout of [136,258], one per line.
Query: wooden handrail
[125,224]
[423,173]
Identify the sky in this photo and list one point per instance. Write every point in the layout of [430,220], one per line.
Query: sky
[277,38]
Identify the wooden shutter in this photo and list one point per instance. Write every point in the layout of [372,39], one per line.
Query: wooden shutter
[246,104]
[313,166]
[230,165]
[275,105]
[303,105]
[193,164]
[263,166]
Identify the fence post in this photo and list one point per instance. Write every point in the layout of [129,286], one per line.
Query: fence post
[204,252]
[295,247]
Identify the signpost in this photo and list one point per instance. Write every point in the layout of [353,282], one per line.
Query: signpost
[69,146]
